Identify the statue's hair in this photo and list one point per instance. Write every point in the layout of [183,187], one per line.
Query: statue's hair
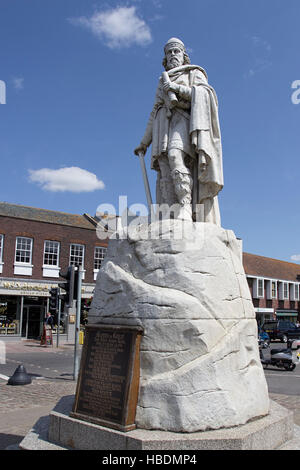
[186,60]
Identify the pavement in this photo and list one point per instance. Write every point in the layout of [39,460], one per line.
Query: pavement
[21,406]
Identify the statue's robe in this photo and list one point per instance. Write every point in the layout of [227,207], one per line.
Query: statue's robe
[192,126]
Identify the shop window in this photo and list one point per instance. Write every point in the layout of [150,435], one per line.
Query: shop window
[10,312]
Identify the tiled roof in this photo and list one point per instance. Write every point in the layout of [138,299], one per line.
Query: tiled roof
[261,266]
[43,215]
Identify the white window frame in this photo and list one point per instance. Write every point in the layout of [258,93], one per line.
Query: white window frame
[31,250]
[51,270]
[99,258]
[294,291]
[23,268]
[96,270]
[257,288]
[283,290]
[83,250]
[270,283]
[57,254]
[1,252]
[83,255]
[274,296]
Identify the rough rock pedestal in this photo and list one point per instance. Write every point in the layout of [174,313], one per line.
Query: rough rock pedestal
[184,283]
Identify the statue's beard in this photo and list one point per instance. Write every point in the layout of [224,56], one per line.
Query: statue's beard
[174,62]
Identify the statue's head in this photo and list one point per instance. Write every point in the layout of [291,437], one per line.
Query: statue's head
[175,54]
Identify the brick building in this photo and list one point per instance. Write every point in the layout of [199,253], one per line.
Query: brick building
[35,245]
[274,286]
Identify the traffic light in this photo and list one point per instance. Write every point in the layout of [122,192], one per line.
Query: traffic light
[69,285]
[53,301]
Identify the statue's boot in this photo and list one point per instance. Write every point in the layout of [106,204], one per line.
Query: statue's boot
[183,184]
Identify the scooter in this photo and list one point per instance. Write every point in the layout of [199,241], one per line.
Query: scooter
[286,358]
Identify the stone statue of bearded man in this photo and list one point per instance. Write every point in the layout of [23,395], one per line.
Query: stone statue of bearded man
[184,131]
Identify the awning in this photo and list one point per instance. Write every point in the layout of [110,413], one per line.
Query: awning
[286,313]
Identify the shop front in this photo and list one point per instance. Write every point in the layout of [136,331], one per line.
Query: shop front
[287,315]
[264,314]
[23,308]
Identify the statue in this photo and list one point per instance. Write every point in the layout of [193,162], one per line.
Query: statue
[185,134]
[183,282]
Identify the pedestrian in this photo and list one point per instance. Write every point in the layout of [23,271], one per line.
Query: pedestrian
[49,320]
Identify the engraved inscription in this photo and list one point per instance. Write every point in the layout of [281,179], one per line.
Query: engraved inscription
[104,382]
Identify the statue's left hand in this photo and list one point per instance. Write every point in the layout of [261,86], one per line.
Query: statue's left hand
[169,86]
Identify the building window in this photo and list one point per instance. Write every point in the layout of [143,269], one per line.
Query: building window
[77,255]
[271,289]
[51,253]
[285,290]
[274,290]
[1,252]
[260,288]
[100,253]
[296,292]
[1,247]
[23,250]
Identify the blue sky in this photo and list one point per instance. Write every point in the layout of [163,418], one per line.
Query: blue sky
[80,80]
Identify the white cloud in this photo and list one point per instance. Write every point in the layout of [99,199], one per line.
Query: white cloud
[119,27]
[295,257]
[18,83]
[72,179]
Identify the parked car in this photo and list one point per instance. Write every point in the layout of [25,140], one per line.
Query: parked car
[281,329]
[263,338]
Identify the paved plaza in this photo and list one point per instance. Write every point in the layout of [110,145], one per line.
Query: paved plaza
[22,406]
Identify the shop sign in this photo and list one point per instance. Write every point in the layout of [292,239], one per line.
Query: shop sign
[25,288]
[87,291]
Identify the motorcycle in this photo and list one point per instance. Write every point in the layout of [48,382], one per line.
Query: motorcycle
[285,358]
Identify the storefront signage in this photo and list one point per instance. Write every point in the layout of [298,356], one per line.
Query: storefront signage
[24,288]
[36,289]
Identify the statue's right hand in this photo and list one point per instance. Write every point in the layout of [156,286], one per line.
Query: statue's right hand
[142,148]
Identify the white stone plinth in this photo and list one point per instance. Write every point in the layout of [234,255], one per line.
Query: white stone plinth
[184,283]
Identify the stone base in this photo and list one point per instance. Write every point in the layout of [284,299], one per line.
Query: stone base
[60,431]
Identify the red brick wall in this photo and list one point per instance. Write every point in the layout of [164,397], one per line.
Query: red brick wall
[41,231]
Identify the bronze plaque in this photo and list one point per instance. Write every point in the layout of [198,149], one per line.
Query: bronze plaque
[108,382]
